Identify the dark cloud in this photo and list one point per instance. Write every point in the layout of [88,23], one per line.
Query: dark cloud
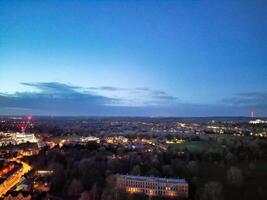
[53,87]
[53,98]
[60,98]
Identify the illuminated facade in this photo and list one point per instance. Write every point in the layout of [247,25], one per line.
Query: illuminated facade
[25,137]
[6,168]
[18,197]
[17,138]
[78,140]
[153,186]
[116,139]
[90,139]
[258,121]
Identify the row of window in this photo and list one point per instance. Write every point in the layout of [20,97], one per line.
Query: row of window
[157,192]
[152,185]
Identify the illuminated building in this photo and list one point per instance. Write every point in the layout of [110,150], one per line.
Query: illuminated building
[5,142]
[116,139]
[25,137]
[18,196]
[175,141]
[6,168]
[79,140]
[90,139]
[7,138]
[258,121]
[153,186]
[44,172]
[17,138]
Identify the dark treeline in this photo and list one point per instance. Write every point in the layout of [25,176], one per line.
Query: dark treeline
[234,171]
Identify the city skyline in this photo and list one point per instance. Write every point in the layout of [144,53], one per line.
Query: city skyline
[135,58]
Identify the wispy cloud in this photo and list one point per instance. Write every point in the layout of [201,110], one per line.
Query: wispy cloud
[109,88]
[247,102]
[248,99]
[105,88]
[137,96]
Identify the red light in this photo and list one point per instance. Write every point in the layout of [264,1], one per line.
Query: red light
[22,128]
[29,118]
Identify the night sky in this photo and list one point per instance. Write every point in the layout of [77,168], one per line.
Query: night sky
[133,58]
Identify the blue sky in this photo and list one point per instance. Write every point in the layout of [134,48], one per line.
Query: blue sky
[160,58]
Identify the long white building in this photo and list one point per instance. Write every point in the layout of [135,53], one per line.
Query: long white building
[153,186]
[17,138]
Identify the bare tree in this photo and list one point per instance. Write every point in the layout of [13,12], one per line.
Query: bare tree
[75,188]
[192,167]
[85,196]
[136,170]
[212,191]
[235,176]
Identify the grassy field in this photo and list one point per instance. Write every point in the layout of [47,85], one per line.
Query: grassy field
[196,146]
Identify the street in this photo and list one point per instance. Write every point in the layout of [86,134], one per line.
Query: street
[15,178]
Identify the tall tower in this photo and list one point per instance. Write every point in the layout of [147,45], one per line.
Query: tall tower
[252,114]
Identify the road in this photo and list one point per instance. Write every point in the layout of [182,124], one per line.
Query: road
[15,178]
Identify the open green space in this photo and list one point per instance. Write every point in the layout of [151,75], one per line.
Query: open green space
[196,146]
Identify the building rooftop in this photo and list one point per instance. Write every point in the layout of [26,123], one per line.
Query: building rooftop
[153,178]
